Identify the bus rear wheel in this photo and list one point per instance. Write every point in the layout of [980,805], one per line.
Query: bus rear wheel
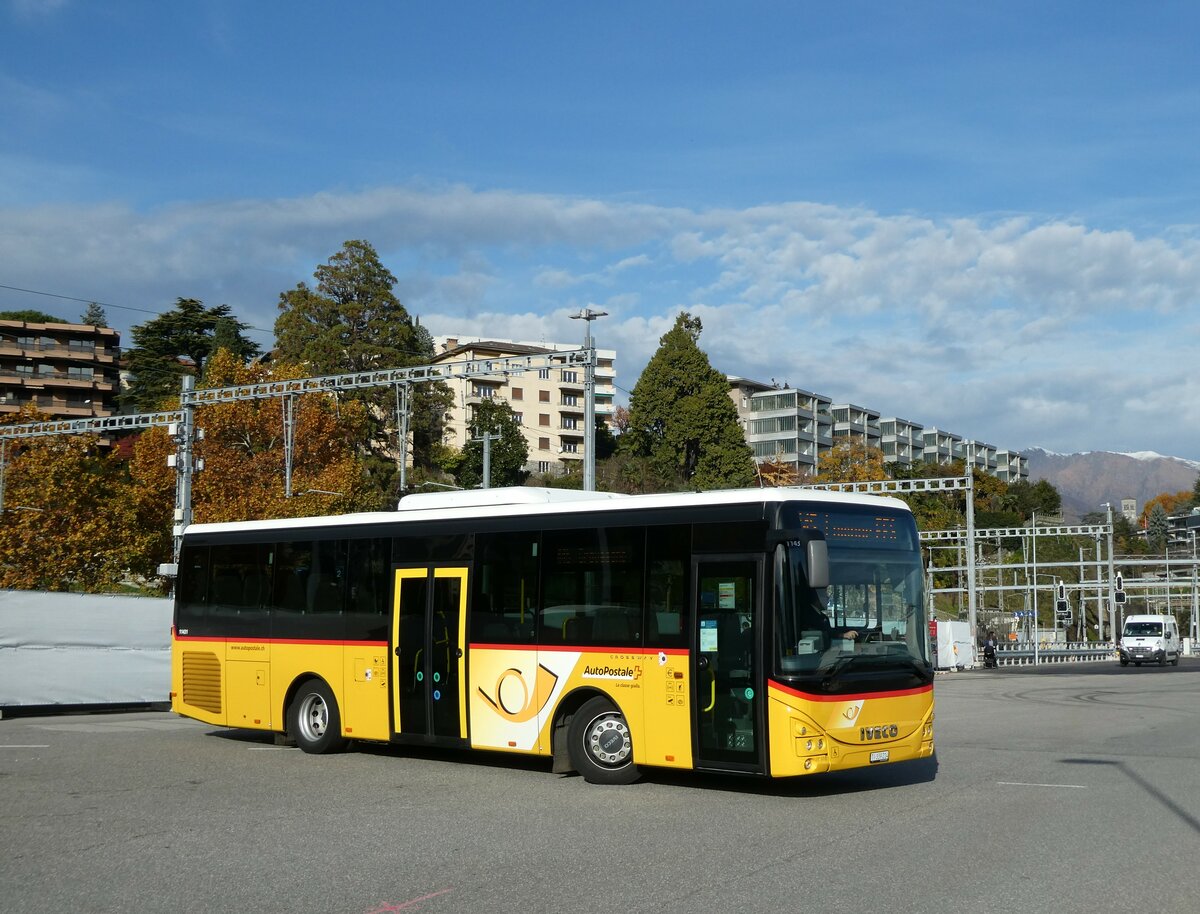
[313,719]
[600,744]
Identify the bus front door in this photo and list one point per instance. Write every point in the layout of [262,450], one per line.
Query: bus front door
[428,672]
[727,706]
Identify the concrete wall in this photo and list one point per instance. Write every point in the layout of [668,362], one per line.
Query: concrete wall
[83,649]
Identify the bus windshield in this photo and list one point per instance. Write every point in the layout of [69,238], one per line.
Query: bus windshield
[867,630]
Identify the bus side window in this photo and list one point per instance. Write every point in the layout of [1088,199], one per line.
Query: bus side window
[240,574]
[368,577]
[308,591]
[504,596]
[667,567]
[592,587]
[191,597]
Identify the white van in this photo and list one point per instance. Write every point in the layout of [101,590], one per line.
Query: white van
[1150,639]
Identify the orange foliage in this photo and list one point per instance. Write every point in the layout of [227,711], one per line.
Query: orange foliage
[1172,504]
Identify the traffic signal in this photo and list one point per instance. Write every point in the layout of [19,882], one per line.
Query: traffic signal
[1119,590]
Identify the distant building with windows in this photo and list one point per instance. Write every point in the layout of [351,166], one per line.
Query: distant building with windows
[68,371]
[549,403]
[794,426]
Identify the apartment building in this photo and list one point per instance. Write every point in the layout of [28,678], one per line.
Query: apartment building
[68,371]
[796,426]
[549,403]
[855,423]
[783,425]
[942,447]
[1011,466]
[901,440]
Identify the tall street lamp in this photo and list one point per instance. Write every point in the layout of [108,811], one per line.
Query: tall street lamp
[587,315]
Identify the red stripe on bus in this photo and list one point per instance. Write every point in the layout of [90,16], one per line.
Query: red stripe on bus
[582,649]
[812,696]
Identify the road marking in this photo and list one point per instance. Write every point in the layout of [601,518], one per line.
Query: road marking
[1021,784]
[25,747]
[118,726]
[386,908]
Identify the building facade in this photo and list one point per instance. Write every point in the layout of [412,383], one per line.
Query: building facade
[794,426]
[549,403]
[68,371]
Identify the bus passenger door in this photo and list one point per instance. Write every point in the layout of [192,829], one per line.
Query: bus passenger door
[429,666]
[727,706]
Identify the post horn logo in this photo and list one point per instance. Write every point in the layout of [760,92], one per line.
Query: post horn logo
[512,698]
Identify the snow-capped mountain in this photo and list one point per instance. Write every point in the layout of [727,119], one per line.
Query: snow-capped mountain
[1086,481]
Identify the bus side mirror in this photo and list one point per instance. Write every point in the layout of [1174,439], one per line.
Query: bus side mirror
[818,564]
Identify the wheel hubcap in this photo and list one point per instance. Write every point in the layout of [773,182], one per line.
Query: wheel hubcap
[608,741]
[314,717]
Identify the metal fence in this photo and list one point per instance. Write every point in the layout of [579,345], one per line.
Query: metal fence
[1021,654]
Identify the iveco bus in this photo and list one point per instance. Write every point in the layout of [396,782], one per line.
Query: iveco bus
[775,632]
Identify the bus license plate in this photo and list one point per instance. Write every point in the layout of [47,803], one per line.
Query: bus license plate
[881,756]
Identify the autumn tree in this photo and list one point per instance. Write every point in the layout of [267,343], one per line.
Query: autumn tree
[777,473]
[681,419]
[507,454]
[179,342]
[851,460]
[1171,503]
[245,458]
[65,524]
[352,321]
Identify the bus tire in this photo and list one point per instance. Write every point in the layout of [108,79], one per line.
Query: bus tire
[600,744]
[313,719]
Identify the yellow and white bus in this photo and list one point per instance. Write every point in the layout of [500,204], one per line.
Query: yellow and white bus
[775,632]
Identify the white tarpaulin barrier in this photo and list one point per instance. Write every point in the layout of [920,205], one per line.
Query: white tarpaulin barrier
[954,648]
[83,649]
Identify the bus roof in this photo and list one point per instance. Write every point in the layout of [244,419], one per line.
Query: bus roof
[527,500]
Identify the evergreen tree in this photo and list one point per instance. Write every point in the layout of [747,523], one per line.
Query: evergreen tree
[507,455]
[1158,526]
[681,417]
[94,315]
[175,343]
[352,321]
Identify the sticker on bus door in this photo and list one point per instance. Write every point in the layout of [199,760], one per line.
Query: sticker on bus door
[708,636]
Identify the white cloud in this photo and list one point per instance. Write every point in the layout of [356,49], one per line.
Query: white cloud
[1008,330]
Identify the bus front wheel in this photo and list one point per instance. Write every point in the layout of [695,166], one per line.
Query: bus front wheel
[313,719]
[600,745]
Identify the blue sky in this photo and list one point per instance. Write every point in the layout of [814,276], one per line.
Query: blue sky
[983,219]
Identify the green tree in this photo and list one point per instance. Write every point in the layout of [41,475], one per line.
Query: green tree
[1158,526]
[1040,496]
[352,321]
[32,317]
[175,343]
[507,456]
[681,418]
[94,315]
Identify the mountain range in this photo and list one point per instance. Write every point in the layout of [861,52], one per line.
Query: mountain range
[1086,481]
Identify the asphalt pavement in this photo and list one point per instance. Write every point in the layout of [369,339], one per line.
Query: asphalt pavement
[1060,789]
